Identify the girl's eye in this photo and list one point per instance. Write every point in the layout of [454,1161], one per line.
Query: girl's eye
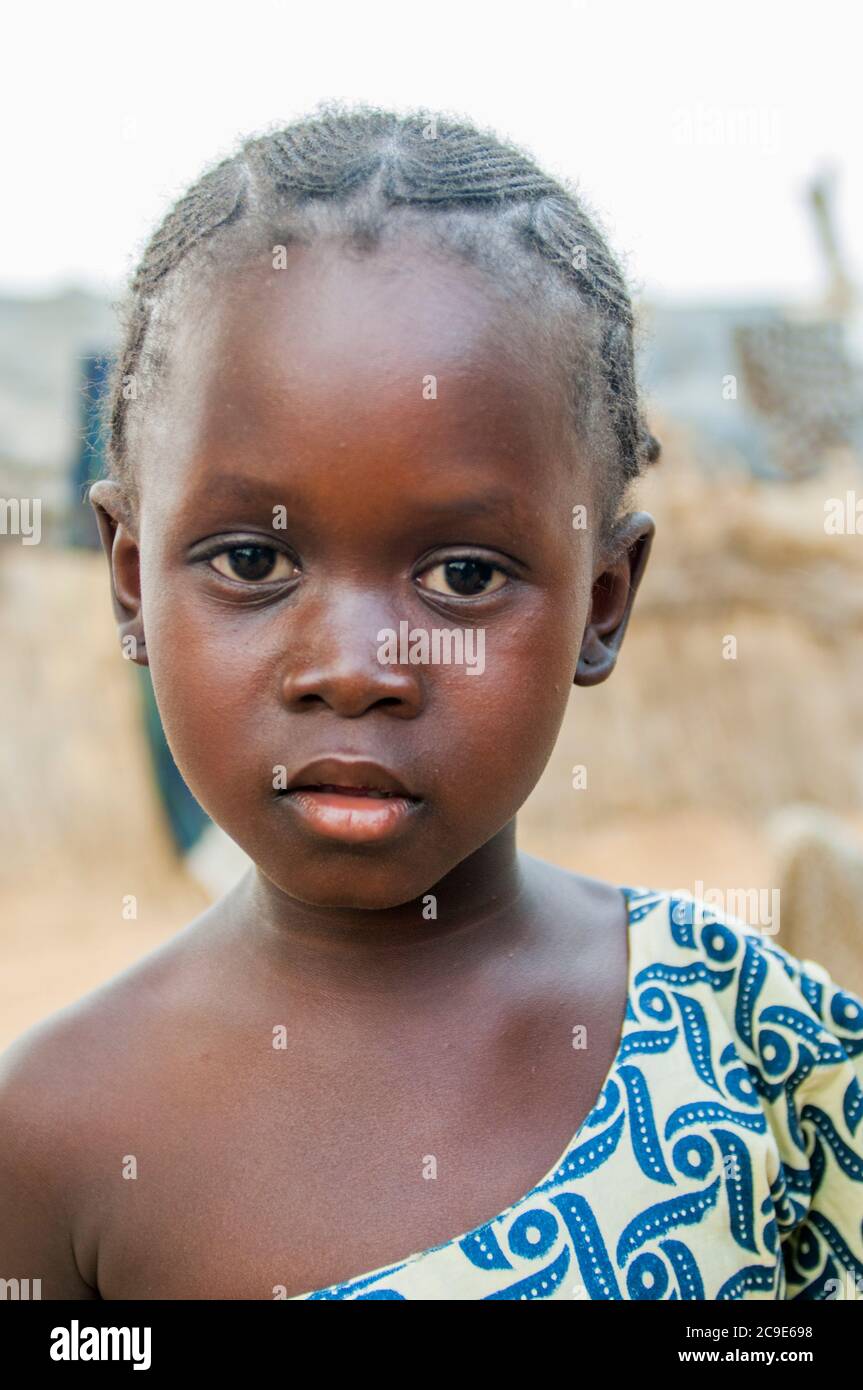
[253,563]
[467,578]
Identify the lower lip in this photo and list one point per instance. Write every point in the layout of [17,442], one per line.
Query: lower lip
[351,819]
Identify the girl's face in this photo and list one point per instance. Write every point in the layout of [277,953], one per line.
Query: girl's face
[342,448]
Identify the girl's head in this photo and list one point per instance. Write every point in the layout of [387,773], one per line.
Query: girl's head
[378,377]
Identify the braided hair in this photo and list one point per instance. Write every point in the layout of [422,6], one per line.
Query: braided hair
[360,173]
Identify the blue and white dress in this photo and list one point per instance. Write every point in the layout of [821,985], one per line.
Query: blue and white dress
[724,1156]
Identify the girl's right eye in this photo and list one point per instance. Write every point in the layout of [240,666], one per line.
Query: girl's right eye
[253,563]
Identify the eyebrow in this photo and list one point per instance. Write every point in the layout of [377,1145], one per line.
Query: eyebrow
[490,503]
[239,486]
[243,487]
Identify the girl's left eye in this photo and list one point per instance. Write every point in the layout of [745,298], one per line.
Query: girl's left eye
[252,563]
[464,578]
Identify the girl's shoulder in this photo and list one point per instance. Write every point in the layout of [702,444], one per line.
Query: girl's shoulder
[744,1007]
[57,1076]
[777,1045]
[679,939]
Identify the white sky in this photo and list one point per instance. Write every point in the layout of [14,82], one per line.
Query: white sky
[691,128]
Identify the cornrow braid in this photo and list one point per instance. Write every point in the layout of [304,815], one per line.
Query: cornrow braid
[355,172]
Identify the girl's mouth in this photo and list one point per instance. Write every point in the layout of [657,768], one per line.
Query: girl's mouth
[355,802]
[345,791]
[355,815]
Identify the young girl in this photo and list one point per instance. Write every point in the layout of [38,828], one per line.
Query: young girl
[375,368]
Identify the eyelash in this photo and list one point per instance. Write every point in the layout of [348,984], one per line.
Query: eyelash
[470,556]
[218,551]
[476,556]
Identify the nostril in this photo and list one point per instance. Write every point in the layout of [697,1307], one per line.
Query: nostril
[352,691]
[312,699]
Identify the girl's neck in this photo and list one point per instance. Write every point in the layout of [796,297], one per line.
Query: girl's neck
[481,907]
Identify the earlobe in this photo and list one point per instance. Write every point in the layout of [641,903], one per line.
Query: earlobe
[121,548]
[613,595]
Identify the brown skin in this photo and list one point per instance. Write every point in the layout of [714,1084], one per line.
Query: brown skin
[407,1037]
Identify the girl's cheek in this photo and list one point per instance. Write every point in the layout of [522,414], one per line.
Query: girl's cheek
[507,711]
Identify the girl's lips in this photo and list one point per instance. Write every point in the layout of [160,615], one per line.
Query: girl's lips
[351,814]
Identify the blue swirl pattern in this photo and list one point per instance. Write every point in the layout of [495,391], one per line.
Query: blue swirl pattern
[723,1158]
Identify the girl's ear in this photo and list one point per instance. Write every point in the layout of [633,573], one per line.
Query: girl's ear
[614,590]
[121,548]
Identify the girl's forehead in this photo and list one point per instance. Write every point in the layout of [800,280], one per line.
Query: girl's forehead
[405,307]
[402,348]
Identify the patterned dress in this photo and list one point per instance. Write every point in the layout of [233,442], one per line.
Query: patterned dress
[723,1158]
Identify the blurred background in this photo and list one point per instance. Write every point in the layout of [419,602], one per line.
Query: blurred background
[719,148]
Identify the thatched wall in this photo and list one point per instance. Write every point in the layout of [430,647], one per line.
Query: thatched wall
[76,791]
[678,725]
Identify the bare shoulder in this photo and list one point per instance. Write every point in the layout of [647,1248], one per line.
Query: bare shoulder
[61,1082]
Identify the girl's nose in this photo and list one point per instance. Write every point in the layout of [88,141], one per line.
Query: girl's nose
[339,668]
[351,688]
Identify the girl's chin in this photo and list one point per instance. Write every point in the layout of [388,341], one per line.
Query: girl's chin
[356,883]
[351,897]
